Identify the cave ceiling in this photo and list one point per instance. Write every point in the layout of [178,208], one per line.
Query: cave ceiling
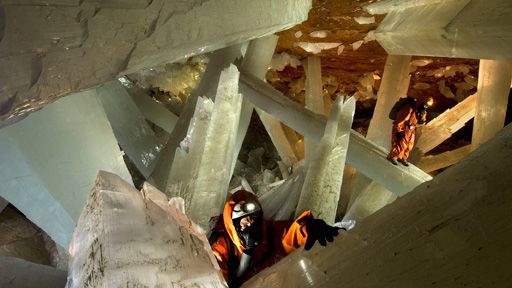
[448,80]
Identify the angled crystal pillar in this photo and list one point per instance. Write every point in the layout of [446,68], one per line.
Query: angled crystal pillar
[313,96]
[53,159]
[280,203]
[364,155]
[256,62]
[130,127]
[435,162]
[273,126]
[127,238]
[443,126]
[367,197]
[17,273]
[454,28]
[321,190]
[278,137]
[397,244]
[492,100]
[394,77]
[154,112]
[218,60]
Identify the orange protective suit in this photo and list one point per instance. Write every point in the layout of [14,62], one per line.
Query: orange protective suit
[278,240]
[403,131]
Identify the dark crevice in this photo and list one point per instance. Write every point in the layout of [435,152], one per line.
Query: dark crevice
[36,68]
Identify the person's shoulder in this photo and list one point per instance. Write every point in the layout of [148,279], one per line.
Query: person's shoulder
[217,230]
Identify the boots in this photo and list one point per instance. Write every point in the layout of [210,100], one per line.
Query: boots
[403,162]
[393,161]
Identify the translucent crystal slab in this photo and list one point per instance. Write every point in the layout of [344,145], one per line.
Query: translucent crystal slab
[153,111]
[130,127]
[54,157]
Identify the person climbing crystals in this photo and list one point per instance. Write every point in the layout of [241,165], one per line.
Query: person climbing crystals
[407,114]
[244,243]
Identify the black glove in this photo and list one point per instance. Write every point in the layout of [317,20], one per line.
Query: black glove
[317,229]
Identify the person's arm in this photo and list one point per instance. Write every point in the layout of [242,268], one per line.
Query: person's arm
[296,235]
[306,230]
[401,117]
[220,250]
[423,118]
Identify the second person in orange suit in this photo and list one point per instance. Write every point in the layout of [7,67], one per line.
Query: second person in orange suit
[404,130]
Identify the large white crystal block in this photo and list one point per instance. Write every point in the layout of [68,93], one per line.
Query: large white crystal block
[57,152]
[428,236]
[241,21]
[321,190]
[130,127]
[456,28]
[86,44]
[125,238]
[18,273]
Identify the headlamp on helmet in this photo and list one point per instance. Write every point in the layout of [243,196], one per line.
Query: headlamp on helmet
[243,208]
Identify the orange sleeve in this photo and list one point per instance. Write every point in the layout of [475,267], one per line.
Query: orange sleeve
[424,118]
[403,115]
[296,234]
[220,250]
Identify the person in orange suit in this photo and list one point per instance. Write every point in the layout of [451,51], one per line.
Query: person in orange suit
[244,243]
[404,129]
